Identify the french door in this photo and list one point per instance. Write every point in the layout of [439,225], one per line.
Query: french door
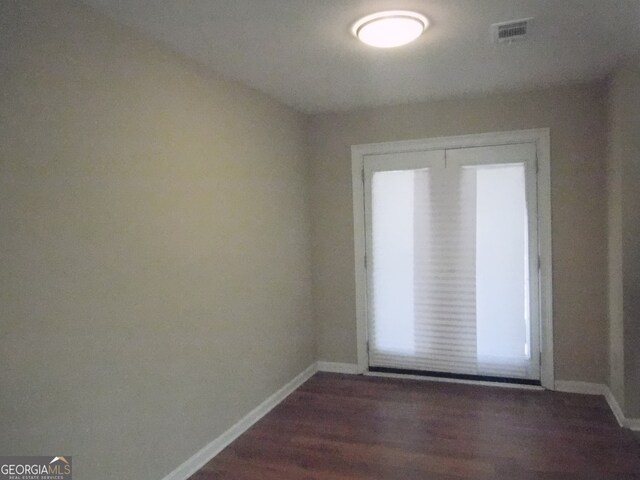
[452,262]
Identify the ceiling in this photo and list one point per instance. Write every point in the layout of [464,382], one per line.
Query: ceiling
[302,53]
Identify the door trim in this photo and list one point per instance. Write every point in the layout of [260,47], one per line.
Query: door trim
[541,138]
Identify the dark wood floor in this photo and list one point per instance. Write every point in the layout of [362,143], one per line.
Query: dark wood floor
[343,427]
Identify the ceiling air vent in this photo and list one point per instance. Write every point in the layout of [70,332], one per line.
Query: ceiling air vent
[511,31]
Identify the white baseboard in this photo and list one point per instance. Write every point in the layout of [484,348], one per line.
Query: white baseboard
[584,388]
[587,388]
[632,424]
[615,407]
[197,461]
[334,367]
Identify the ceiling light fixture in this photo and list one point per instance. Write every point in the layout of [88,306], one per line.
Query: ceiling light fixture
[390,29]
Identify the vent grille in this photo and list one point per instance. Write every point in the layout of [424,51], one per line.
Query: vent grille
[514,30]
[510,31]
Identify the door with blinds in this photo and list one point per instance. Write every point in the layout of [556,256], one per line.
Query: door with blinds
[452,263]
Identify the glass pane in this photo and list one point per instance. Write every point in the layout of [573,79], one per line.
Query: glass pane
[502,304]
[392,266]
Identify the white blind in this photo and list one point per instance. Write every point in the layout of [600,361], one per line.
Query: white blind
[448,275]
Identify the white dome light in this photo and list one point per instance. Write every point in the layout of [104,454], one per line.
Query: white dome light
[390,29]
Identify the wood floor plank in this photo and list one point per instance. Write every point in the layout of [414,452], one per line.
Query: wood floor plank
[348,427]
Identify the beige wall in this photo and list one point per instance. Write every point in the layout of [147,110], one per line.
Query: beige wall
[155,264]
[624,232]
[577,118]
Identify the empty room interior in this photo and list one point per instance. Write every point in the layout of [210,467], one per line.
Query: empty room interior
[304,239]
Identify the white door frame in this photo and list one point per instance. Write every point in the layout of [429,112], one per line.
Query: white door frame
[541,138]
